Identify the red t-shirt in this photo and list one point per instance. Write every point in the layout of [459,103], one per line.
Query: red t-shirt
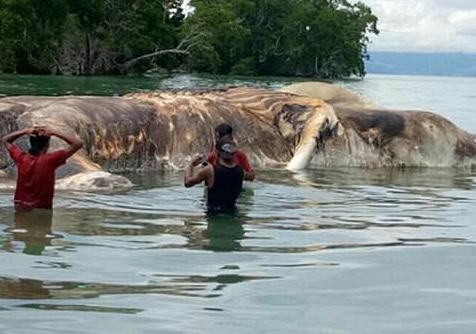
[239,158]
[35,177]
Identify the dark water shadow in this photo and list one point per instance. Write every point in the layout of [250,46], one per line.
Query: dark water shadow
[163,284]
[33,228]
[81,308]
[223,233]
[455,178]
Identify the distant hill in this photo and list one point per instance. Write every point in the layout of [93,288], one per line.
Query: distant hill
[448,64]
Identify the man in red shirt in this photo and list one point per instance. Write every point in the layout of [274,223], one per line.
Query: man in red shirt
[36,168]
[225,131]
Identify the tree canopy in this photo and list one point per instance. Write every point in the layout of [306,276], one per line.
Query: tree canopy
[315,38]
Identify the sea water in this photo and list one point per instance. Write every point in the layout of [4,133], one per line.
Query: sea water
[322,251]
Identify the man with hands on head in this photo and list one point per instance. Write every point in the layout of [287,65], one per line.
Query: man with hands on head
[35,167]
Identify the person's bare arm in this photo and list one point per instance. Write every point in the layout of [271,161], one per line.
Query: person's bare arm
[249,175]
[74,143]
[192,177]
[8,139]
[245,163]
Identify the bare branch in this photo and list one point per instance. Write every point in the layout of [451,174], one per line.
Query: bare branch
[183,47]
[131,62]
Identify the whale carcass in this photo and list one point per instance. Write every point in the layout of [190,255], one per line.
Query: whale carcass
[302,125]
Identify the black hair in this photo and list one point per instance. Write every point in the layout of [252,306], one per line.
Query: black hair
[38,143]
[223,129]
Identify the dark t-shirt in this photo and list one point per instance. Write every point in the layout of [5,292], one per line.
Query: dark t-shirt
[226,188]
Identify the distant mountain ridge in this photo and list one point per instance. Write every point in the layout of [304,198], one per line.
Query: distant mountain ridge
[412,63]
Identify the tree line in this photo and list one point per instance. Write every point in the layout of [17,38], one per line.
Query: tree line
[314,38]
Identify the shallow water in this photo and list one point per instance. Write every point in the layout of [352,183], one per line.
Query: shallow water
[323,251]
[341,251]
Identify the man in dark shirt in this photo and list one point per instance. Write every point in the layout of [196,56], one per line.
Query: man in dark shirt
[224,130]
[223,180]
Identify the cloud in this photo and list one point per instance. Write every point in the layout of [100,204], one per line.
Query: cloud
[424,25]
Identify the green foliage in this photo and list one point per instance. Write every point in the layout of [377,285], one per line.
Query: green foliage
[87,36]
[10,29]
[223,37]
[322,38]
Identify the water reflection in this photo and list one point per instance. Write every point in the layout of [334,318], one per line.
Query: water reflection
[83,308]
[223,233]
[20,288]
[33,229]
[395,177]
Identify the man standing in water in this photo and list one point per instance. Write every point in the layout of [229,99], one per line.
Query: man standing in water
[36,168]
[225,131]
[223,180]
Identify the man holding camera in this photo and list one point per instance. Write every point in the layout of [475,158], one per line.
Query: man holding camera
[223,180]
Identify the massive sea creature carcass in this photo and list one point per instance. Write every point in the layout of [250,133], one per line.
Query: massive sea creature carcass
[302,125]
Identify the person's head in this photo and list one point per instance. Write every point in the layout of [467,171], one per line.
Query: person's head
[38,144]
[223,130]
[226,148]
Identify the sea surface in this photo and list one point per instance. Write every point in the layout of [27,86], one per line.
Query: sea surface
[332,251]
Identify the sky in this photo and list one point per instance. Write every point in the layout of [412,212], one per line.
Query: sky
[424,25]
